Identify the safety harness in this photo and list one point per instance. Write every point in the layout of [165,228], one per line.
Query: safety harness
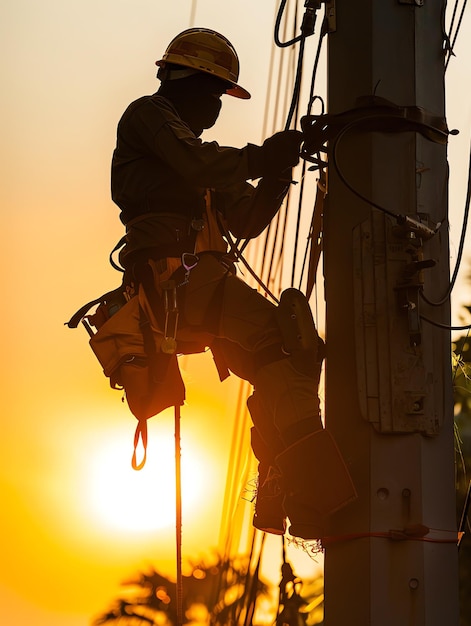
[133,328]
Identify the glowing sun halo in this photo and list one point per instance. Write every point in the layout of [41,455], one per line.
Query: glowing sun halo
[127,500]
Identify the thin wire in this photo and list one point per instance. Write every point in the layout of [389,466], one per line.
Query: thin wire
[342,134]
[452,23]
[392,536]
[460,247]
[235,469]
[444,326]
[464,515]
[452,43]
[267,265]
[458,357]
[193,13]
[304,166]
[297,83]
[178,516]
[397,216]
[269,87]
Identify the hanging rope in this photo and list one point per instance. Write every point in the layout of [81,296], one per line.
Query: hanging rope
[178,516]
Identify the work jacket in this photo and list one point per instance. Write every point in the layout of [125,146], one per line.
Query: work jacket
[161,173]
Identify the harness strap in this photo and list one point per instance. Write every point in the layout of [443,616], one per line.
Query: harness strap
[77,317]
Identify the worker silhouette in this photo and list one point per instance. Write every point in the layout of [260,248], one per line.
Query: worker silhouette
[181,200]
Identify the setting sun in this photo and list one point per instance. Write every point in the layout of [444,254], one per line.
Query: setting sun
[123,499]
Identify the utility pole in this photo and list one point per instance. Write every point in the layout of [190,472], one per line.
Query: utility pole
[392,557]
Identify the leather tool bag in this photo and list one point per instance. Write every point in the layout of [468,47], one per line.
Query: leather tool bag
[128,346]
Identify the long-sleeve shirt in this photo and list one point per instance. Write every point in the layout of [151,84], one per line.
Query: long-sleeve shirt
[160,167]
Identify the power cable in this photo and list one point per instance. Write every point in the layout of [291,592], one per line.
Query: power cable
[293,105]
[400,218]
[450,42]
[342,177]
[460,247]
[311,101]
[278,42]
[444,326]
[268,268]
[307,29]
[276,233]
[297,84]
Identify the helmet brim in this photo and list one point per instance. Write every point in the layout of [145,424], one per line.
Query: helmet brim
[235,90]
[238,92]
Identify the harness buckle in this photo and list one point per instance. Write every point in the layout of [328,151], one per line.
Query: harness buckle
[189,261]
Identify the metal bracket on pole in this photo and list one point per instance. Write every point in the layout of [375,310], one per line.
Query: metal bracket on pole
[408,288]
[331,16]
[371,114]
[417,3]
[397,392]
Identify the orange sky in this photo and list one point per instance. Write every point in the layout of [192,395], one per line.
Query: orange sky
[68,72]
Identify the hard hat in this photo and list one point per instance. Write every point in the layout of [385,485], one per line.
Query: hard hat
[205,50]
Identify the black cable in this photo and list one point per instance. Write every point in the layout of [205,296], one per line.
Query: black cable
[340,136]
[311,101]
[451,44]
[448,35]
[238,254]
[398,217]
[307,29]
[444,326]
[297,83]
[295,104]
[278,42]
[342,133]
[460,247]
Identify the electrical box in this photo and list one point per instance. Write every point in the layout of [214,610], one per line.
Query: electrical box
[394,348]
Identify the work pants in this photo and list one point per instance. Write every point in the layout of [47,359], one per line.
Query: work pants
[247,338]
[243,330]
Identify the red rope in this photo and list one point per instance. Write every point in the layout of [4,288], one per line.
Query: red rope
[411,533]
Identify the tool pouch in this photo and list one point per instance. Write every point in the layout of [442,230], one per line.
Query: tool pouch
[129,352]
[120,347]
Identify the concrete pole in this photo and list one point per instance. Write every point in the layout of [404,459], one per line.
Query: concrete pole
[388,372]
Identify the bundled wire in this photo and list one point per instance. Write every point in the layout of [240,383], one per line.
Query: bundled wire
[452,36]
[272,255]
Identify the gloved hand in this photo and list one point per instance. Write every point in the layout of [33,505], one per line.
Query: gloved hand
[279,152]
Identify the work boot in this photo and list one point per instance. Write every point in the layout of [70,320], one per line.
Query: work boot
[269,515]
[316,482]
